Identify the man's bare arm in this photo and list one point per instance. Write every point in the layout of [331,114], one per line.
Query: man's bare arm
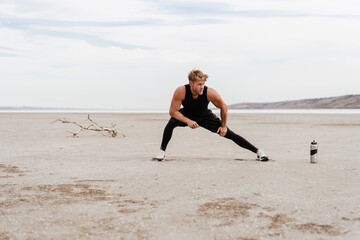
[179,96]
[215,98]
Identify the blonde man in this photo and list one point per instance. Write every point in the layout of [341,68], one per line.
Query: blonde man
[195,97]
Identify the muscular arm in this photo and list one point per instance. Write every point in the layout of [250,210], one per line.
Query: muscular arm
[179,96]
[215,98]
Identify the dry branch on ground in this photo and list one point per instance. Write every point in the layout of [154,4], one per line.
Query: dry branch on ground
[110,131]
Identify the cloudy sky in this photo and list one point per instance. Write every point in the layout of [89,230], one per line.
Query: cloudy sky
[132,54]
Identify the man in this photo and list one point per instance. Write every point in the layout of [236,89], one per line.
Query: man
[195,98]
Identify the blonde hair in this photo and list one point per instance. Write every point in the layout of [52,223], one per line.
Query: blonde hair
[195,74]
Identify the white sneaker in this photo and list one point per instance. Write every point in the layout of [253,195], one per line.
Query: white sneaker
[261,156]
[160,156]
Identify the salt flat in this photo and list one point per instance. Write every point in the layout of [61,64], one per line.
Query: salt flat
[54,186]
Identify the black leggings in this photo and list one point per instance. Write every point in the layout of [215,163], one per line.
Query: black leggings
[208,121]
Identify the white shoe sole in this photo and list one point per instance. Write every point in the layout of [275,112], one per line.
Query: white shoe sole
[264,159]
[159,159]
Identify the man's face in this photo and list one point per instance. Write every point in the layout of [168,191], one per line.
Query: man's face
[198,86]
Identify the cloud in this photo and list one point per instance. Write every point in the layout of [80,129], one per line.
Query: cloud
[223,9]
[3,54]
[50,28]
[7,48]
[111,49]
[36,27]
[9,52]
[24,23]
[192,8]
[91,39]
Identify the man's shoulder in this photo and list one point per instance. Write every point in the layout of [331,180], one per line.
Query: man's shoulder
[180,92]
[180,89]
[211,90]
[212,94]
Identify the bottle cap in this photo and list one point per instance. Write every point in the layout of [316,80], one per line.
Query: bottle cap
[313,141]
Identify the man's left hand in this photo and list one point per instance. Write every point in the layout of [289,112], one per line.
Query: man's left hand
[222,131]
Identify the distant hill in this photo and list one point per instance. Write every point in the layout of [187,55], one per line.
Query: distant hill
[341,102]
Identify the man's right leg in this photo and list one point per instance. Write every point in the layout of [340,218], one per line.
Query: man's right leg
[173,123]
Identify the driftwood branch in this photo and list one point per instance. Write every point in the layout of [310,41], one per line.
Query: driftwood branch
[110,131]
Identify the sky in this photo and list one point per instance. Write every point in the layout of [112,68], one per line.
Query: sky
[133,54]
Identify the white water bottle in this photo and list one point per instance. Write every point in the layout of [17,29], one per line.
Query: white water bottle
[313,151]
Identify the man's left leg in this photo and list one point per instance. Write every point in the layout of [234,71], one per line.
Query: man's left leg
[211,122]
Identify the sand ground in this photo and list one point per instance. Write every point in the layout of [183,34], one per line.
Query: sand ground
[94,187]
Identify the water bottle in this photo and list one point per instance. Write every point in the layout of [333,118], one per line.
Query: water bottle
[313,151]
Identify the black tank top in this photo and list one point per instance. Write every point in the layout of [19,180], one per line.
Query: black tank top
[195,107]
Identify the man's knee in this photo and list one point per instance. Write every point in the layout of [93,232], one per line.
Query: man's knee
[173,122]
[229,133]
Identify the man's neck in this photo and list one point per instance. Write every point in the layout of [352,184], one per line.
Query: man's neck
[194,94]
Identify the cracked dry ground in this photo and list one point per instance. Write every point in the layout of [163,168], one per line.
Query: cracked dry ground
[94,209]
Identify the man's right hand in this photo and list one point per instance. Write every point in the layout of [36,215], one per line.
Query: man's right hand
[192,124]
